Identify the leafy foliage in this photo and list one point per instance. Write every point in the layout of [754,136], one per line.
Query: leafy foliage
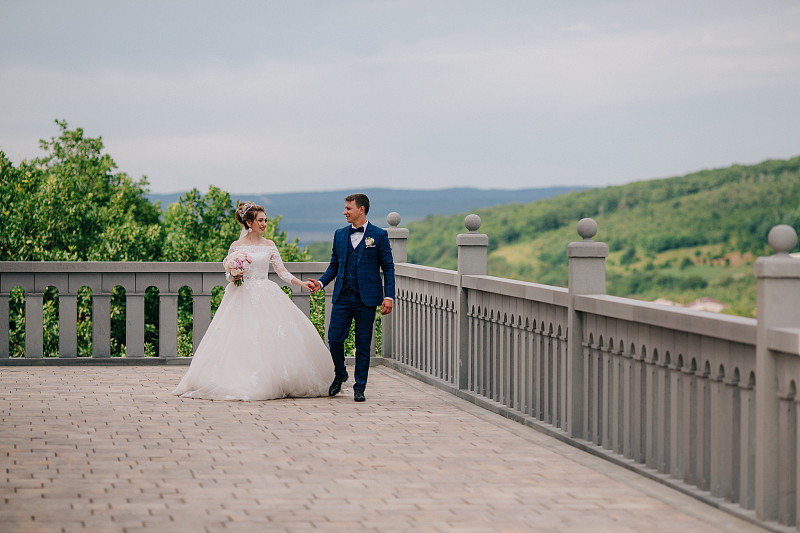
[70,205]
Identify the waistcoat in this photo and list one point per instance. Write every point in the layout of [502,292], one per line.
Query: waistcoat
[350,266]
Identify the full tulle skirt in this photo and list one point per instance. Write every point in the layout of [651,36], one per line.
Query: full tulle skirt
[259,346]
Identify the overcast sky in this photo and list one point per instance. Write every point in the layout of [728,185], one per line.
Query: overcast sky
[276,96]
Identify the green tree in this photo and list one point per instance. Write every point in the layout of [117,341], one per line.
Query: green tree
[71,205]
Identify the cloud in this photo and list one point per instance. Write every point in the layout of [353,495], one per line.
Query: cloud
[243,161]
[417,94]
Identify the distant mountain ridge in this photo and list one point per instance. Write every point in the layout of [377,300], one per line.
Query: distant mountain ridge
[314,216]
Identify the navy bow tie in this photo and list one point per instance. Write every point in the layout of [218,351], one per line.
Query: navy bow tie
[356,230]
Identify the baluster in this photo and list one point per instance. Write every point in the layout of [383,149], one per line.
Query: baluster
[704,430]
[639,406]
[720,438]
[519,366]
[651,419]
[689,448]
[502,357]
[167,324]
[201,317]
[134,324]
[67,325]
[609,390]
[675,419]
[747,441]
[34,324]
[101,324]
[628,399]
[530,367]
[618,419]
[5,310]
[661,401]
[563,390]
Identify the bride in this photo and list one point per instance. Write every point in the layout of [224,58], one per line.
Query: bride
[259,346]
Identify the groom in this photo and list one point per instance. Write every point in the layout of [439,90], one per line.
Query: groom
[360,252]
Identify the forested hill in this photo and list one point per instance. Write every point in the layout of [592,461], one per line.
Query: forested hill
[679,238]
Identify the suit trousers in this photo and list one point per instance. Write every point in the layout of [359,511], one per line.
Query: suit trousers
[349,308]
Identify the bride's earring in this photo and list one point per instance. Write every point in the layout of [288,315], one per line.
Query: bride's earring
[249,230]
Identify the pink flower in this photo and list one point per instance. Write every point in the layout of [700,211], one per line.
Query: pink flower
[236,264]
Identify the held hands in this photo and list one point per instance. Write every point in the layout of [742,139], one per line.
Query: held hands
[309,285]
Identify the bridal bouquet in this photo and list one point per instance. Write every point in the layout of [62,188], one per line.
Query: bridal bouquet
[236,264]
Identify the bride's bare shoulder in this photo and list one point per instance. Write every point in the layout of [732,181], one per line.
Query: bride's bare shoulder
[267,242]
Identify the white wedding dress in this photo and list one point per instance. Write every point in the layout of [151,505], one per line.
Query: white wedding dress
[259,346]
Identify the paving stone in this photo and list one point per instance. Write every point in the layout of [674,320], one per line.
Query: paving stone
[110,449]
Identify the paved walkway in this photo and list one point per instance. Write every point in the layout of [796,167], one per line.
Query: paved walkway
[110,449]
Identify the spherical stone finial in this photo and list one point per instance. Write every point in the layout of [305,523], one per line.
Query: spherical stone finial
[587,228]
[782,238]
[393,219]
[472,222]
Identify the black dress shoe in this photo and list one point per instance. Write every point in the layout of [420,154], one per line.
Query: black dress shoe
[336,386]
[358,395]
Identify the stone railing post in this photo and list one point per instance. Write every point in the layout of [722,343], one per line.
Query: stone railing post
[778,294]
[398,239]
[587,275]
[472,257]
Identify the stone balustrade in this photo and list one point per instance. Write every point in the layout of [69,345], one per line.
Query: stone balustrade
[706,403]
[101,278]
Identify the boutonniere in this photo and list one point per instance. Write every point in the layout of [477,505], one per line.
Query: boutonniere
[369,242]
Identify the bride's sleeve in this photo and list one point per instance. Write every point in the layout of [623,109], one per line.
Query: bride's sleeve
[280,269]
[227,275]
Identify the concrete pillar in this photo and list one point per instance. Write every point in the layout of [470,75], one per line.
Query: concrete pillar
[168,324]
[34,324]
[472,257]
[4,319]
[587,275]
[398,239]
[778,294]
[201,318]
[68,325]
[134,324]
[101,325]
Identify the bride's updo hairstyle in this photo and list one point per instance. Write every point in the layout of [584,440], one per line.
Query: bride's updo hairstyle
[247,211]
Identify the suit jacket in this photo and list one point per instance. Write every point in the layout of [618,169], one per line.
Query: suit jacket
[372,255]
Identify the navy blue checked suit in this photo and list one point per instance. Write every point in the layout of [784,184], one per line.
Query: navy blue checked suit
[358,290]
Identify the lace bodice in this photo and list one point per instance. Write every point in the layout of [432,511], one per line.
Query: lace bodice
[263,255]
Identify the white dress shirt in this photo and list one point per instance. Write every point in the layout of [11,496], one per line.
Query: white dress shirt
[355,238]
